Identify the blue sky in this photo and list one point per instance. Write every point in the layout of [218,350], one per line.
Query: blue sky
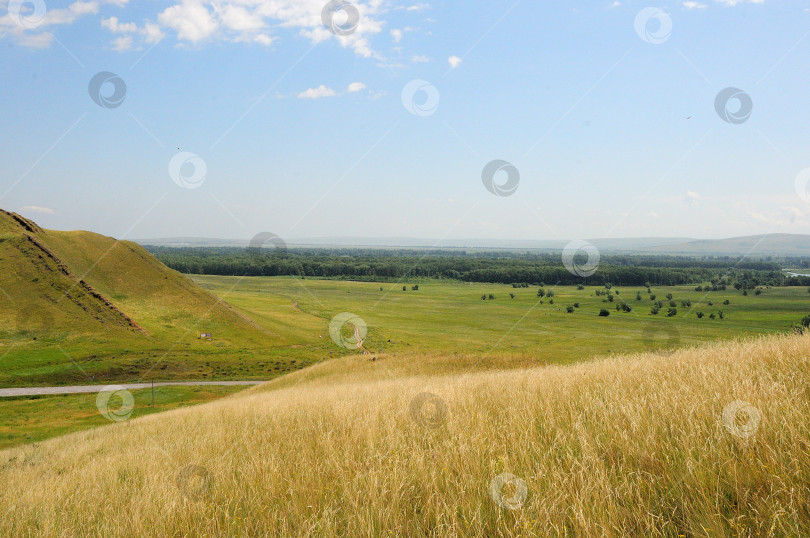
[304,133]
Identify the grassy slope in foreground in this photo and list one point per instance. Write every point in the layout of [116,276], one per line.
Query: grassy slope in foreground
[629,445]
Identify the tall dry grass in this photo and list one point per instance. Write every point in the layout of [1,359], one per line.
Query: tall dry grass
[623,446]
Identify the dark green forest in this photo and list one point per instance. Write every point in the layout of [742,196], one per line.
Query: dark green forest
[494,267]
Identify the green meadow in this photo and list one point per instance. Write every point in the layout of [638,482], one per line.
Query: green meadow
[451,317]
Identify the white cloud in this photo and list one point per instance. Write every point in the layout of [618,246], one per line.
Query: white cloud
[420,59]
[317,93]
[694,5]
[454,61]
[190,19]
[397,35]
[152,33]
[263,39]
[36,41]
[196,21]
[691,197]
[122,43]
[116,27]
[239,18]
[356,87]
[418,7]
[735,2]
[38,209]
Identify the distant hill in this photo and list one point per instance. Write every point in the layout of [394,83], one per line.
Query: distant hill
[755,245]
[758,245]
[608,244]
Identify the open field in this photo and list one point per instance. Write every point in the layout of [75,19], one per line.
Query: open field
[644,445]
[450,317]
[30,419]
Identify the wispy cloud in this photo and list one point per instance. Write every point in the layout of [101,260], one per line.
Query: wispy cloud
[317,93]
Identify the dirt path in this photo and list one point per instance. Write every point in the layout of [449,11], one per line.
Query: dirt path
[78,389]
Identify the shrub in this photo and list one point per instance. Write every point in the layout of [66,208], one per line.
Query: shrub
[570,309]
[654,310]
[806,321]
[541,292]
[712,316]
[726,301]
[610,298]
[638,296]
[669,296]
[698,288]
[512,295]
[672,303]
[550,293]
[652,297]
[581,287]
[415,287]
[551,301]
[576,305]
[672,312]
[404,288]
[758,292]
[491,297]
[604,312]
[699,314]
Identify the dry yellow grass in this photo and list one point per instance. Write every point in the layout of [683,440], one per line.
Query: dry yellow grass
[621,446]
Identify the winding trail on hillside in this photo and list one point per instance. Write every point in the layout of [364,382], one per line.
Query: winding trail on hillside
[79,389]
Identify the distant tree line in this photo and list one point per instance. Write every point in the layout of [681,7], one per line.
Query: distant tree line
[518,269]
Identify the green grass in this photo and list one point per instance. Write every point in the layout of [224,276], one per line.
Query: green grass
[448,317]
[29,419]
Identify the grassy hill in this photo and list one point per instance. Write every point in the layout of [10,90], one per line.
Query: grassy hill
[79,307]
[709,441]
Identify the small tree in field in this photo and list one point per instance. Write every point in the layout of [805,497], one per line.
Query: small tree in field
[541,292]
[604,312]
[638,296]
[415,287]
[404,288]
[581,287]
[806,321]
[512,295]
[570,309]
[672,312]
[699,315]
[491,297]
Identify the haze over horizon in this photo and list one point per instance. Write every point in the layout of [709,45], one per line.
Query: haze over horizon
[613,127]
